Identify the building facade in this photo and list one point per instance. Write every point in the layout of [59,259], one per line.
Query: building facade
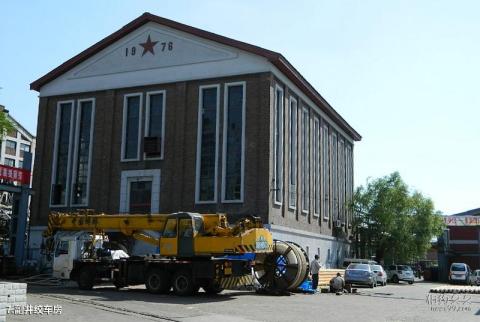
[460,241]
[15,143]
[164,117]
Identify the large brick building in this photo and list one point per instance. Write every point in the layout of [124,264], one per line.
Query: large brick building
[163,117]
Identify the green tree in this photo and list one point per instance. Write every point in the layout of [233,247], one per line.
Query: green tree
[5,124]
[393,223]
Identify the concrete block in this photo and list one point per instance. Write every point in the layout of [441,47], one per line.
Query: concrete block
[20,291]
[3,318]
[3,312]
[4,298]
[10,298]
[3,305]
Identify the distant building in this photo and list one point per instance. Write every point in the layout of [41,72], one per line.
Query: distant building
[12,148]
[15,143]
[460,242]
[165,117]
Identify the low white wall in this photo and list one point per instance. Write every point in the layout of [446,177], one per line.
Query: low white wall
[11,295]
[330,250]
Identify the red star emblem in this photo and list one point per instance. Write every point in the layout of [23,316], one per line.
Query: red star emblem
[148,46]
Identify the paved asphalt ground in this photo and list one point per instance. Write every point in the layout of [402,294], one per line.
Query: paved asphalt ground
[394,302]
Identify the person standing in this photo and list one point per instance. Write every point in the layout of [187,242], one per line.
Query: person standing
[315,266]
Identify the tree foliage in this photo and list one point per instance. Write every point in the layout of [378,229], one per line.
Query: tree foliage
[5,124]
[393,223]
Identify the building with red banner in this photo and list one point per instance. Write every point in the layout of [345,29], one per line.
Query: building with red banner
[461,239]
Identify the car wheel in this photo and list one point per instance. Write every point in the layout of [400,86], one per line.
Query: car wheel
[410,282]
[372,285]
[395,279]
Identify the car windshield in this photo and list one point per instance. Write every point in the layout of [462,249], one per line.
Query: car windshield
[458,267]
[364,267]
[376,267]
[404,268]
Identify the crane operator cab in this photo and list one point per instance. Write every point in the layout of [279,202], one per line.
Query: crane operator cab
[179,233]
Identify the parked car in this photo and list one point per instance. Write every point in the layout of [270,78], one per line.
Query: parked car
[360,274]
[381,274]
[476,275]
[348,261]
[461,273]
[397,273]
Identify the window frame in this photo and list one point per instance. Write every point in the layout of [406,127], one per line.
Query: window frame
[325,171]
[55,154]
[305,159]
[76,149]
[9,159]
[316,167]
[278,189]
[130,180]
[199,144]
[124,126]
[147,121]
[224,147]
[293,153]
[14,148]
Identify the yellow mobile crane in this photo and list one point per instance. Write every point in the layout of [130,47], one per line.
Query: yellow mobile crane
[194,250]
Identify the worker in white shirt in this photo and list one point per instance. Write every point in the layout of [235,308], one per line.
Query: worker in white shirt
[315,266]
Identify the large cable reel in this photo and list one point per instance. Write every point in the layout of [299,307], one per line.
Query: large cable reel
[283,269]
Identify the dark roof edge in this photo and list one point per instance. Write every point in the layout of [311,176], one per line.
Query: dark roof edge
[472,212]
[275,58]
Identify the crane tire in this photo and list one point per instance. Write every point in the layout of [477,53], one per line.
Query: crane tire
[86,278]
[212,288]
[182,283]
[157,281]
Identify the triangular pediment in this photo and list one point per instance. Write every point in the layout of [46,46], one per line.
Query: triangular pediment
[151,47]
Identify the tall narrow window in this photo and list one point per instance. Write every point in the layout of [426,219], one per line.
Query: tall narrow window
[349,188]
[132,114]
[316,166]
[334,166]
[155,125]
[278,145]
[293,154]
[207,144]
[233,142]
[305,162]
[325,173]
[83,152]
[62,151]
[341,179]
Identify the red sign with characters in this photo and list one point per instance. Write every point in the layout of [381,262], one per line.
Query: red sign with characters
[14,174]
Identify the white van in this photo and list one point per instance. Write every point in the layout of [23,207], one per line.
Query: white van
[460,273]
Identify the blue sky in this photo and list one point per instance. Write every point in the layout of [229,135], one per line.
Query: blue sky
[405,74]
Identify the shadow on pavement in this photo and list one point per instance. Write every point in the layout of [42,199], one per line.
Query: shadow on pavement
[110,293]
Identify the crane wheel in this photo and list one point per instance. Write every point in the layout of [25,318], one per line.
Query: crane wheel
[86,278]
[157,281]
[183,285]
[212,288]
